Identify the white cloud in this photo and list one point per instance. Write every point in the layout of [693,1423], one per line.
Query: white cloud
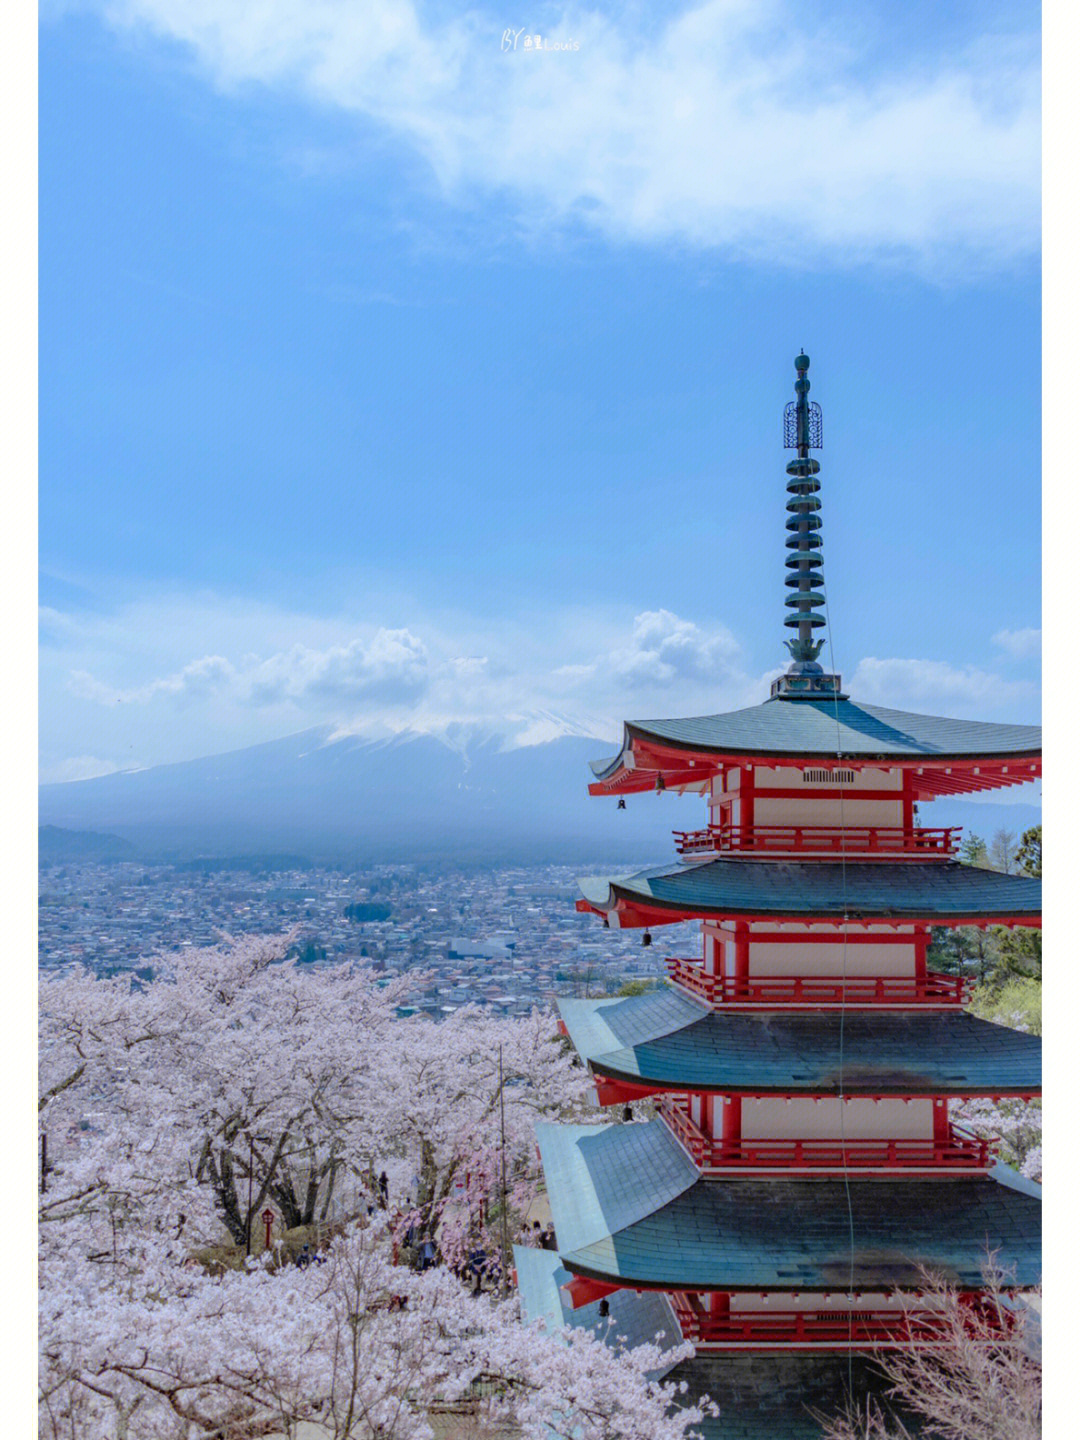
[107,694]
[915,684]
[391,667]
[750,125]
[396,668]
[566,672]
[195,681]
[1020,644]
[664,648]
[53,624]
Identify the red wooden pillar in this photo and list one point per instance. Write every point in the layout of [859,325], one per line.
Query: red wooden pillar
[731,1125]
[708,1107]
[907,801]
[922,943]
[712,953]
[719,1314]
[941,1127]
[742,958]
[746,804]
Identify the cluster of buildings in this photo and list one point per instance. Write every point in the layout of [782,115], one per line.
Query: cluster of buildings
[510,938]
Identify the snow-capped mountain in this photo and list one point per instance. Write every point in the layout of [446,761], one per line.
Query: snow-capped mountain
[512,791]
[486,791]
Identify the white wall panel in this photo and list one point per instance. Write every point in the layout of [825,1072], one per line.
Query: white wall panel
[821,959]
[774,1118]
[821,811]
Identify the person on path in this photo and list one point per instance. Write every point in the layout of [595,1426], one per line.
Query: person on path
[478,1264]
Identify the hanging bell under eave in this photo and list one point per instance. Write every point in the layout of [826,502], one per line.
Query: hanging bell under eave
[660,786]
[622,803]
[646,939]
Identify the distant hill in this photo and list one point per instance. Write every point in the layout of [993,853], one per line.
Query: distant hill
[55,846]
[416,797]
[253,864]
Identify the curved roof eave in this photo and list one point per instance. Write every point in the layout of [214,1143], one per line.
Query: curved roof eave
[841,730]
[664,1039]
[804,890]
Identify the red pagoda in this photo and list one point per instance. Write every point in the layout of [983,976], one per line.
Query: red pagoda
[802,1168]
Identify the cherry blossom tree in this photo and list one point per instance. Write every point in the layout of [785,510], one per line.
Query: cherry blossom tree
[461,1110]
[177,1107]
[277,1082]
[148,1350]
[979,1380]
[255,1073]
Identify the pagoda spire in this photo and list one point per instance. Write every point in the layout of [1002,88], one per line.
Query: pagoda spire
[802,433]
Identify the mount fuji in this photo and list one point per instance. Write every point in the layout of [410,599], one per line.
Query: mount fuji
[468,791]
[483,793]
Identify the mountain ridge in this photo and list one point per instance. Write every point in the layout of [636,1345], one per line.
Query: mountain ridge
[411,795]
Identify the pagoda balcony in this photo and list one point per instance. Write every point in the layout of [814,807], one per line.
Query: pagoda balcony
[806,1328]
[962,1150]
[815,992]
[894,842]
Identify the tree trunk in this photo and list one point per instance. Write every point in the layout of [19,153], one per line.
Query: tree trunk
[284,1195]
[223,1183]
[312,1195]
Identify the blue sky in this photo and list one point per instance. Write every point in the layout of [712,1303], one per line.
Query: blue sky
[393,377]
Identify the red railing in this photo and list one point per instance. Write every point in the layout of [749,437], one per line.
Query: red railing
[886,841]
[803,1327]
[772,991]
[962,1151]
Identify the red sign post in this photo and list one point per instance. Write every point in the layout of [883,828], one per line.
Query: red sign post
[268,1221]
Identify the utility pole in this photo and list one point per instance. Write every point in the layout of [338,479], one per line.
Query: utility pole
[251,1172]
[505,1282]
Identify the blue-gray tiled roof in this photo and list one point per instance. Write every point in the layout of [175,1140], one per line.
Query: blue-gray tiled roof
[665,1039]
[604,1177]
[760,1397]
[634,1319]
[775,1397]
[822,727]
[795,889]
[773,1234]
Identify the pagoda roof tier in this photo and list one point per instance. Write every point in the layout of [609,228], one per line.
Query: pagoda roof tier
[946,757]
[665,1041]
[630,1208]
[776,1397]
[939,893]
[645,1319]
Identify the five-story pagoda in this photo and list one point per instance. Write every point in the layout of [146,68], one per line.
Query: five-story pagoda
[803,1169]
